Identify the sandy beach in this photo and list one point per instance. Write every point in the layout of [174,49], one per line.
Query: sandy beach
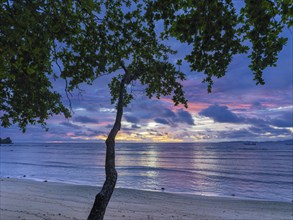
[32,200]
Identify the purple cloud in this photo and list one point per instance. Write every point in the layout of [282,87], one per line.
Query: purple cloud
[131,119]
[259,126]
[184,117]
[168,113]
[221,114]
[162,121]
[85,120]
[70,125]
[284,120]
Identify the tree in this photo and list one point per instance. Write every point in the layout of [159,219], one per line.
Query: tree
[87,39]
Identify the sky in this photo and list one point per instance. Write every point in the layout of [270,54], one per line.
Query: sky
[236,110]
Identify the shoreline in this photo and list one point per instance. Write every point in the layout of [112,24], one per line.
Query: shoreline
[33,200]
[233,196]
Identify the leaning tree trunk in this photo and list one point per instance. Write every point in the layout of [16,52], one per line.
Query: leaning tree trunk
[102,199]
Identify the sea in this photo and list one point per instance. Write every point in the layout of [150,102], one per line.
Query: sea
[261,171]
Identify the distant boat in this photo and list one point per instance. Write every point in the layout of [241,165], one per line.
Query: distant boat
[249,143]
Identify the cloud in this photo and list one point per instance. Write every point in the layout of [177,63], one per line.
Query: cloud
[257,105]
[262,132]
[168,113]
[85,120]
[70,125]
[185,117]
[96,132]
[161,121]
[270,124]
[168,117]
[135,127]
[282,123]
[284,120]
[131,119]
[221,114]
[109,126]
[237,134]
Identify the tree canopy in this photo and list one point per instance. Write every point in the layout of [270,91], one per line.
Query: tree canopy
[87,39]
[216,31]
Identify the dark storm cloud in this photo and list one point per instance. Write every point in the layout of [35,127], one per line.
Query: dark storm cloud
[85,119]
[221,114]
[131,119]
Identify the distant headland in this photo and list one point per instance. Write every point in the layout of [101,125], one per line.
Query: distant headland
[5,140]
